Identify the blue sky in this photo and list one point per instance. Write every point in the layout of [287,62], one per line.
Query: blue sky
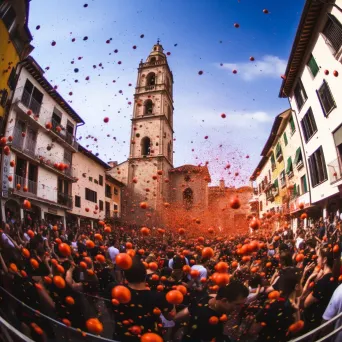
[200,35]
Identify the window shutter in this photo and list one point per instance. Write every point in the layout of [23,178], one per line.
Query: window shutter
[313,66]
[285,139]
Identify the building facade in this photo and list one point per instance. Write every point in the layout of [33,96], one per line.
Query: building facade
[40,141]
[312,83]
[96,195]
[14,46]
[281,176]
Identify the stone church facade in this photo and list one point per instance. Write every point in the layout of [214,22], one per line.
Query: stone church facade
[170,194]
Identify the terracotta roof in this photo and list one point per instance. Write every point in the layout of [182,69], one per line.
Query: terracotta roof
[311,14]
[192,169]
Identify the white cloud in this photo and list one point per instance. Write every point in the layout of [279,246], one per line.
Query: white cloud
[235,119]
[268,66]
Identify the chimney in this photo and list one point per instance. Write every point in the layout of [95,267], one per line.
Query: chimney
[222,185]
[112,163]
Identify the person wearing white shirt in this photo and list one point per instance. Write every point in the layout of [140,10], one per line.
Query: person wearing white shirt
[333,309]
[113,252]
[202,271]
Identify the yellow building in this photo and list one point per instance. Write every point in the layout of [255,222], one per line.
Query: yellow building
[14,45]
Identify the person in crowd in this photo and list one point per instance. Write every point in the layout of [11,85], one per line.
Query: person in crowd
[320,287]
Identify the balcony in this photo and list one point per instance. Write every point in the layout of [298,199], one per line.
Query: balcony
[152,87]
[49,161]
[25,145]
[64,199]
[40,116]
[335,170]
[26,185]
[31,189]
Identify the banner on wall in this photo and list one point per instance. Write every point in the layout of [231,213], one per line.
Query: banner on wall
[5,174]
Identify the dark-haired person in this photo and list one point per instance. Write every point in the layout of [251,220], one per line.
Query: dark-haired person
[203,317]
[320,285]
[273,320]
[140,310]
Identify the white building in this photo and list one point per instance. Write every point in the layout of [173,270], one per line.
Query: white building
[40,131]
[96,195]
[313,84]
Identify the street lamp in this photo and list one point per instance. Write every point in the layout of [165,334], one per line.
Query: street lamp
[330,3]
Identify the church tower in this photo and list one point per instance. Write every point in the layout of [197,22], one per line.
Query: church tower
[151,145]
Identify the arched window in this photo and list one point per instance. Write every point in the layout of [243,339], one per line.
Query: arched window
[151,79]
[148,104]
[145,146]
[169,151]
[188,197]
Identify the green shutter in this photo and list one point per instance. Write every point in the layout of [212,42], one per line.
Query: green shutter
[294,192]
[293,128]
[289,165]
[313,66]
[298,153]
[276,183]
[285,139]
[272,159]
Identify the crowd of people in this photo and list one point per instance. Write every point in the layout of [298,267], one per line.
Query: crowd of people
[156,284]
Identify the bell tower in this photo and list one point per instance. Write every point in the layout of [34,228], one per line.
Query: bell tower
[151,145]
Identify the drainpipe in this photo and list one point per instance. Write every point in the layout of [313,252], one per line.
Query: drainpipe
[305,161]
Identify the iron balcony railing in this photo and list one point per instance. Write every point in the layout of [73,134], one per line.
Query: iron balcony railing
[64,199]
[24,144]
[26,185]
[335,170]
[47,158]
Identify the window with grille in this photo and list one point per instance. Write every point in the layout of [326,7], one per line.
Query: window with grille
[300,94]
[308,124]
[312,64]
[333,32]
[77,201]
[91,195]
[318,169]
[326,98]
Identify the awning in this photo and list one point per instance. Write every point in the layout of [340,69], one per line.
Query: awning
[289,165]
[298,154]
